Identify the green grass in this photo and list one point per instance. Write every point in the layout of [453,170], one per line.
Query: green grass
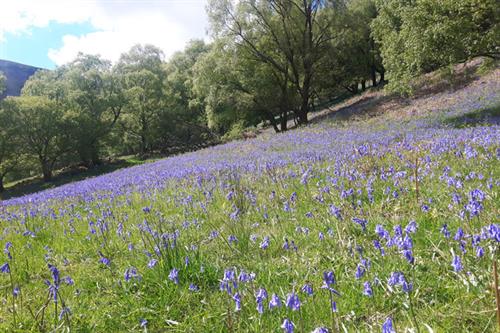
[101,301]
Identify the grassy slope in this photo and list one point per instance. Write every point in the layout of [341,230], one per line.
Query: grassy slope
[285,203]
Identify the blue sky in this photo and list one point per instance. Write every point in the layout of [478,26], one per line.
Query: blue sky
[32,48]
[51,32]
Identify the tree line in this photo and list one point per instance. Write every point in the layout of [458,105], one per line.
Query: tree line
[268,61]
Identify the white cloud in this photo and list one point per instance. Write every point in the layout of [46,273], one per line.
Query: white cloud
[119,24]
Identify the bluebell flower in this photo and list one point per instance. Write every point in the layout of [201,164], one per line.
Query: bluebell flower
[68,280]
[5,268]
[367,289]
[143,322]
[308,289]
[335,211]
[360,271]
[152,263]
[16,291]
[320,330]
[387,326]
[131,273]
[293,301]
[361,222]
[457,264]
[265,243]
[288,326]
[193,287]
[479,252]
[174,275]
[65,311]
[275,302]
[237,301]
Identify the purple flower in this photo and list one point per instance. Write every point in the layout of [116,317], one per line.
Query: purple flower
[5,268]
[292,301]
[288,326]
[265,243]
[174,275]
[237,301]
[457,264]
[367,289]
[152,263]
[275,302]
[131,273]
[16,291]
[193,287]
[308,289]
[387,326]
[143,322]
[320,330]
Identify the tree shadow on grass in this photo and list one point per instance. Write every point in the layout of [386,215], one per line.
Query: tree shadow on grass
[482,117]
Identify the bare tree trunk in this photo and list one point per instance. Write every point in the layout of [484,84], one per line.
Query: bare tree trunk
[2,188]
[46,171]
[363,85]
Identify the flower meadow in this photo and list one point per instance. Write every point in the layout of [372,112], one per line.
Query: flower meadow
[381,225]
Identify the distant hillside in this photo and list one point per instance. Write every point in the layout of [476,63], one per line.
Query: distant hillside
[16,74]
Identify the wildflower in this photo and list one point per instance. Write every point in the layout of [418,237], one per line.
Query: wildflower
[360,271]
[5,268]
[275,302]
[308,289]
[131,273]
[68,280]
[479,252]
[293,302]
[143,322]
[457,264]
[152,263]
[259,298]
[64,312]
[174,275]
[387,326]
[367,289]
[16,291]
[193,287]
[288,326]
[361,222]
[320,330]
[237,301]
[265,243]
[105,261]
[232,239]
[335,211]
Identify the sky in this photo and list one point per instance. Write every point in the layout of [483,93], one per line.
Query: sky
[48,33]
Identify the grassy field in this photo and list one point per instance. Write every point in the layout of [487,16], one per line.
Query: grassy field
[359,226]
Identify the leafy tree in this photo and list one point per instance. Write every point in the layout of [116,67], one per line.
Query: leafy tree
[290,36]
[142,76]
[9,145]
[40,129]
[420,36]
[3,81]
[184,120]
[94,101]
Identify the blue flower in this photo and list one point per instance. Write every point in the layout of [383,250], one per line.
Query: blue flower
[131,273]
[174,275]
[293,301]
[193,287]
[367,289]
[265,243]
[152,263]
[287,325]
[320,330]
[275,302]
[457,264]
[143,322]
[387,326]
[237,301]
[5,268]
[308,289]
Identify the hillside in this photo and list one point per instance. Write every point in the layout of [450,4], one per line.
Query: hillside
[16,74]
[381,214]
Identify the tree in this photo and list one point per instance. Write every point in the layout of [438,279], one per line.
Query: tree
[9,145]
[142,76]
[94,101]
[290,36]
[3,81]
[421,36]
[184,119]
[40,129]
